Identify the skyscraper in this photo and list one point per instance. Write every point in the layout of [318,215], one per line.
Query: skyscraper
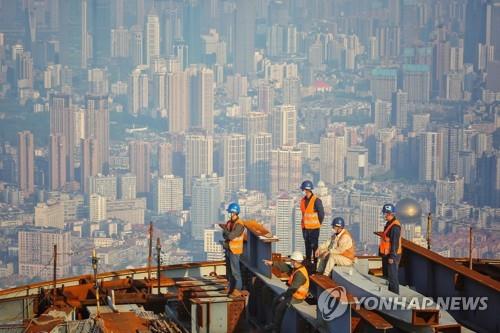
[452,139]
[164,154]
[488,169]
[199,158]
[62,122]
[192,30]
[178,102]
[57,162]
[26,166]
[97,207]
[417,83]
[202,100]
[97,126]
[136,45]
[265,98]
[399,110]
[430,157]
[206,202]
[244,48]
[283,218]
[286,169]
[284,126]
[100,26]
[383,82]
[138,91]
[167,194]
[371,220]
[139,153]
[127,187]
[332,158]
[89,162]
[234,162]
[255,122]
[104,186]
[450,190]
[357,163]
[381,114]
[152,37]
[259,145]
[291,91]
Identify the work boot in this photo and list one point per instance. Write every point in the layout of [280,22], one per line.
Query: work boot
[235,293]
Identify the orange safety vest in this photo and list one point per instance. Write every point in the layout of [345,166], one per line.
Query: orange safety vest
[236,244]
[385,241]
[350,252]
[301,293]
[310,219]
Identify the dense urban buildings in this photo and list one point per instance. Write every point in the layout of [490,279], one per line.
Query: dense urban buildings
[115,113]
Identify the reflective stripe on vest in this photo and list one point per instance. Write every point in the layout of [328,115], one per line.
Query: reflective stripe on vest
[350,253]
[385,241]
[310,219]
[236,244]
[302,291]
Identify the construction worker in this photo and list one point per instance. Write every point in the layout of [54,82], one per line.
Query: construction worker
[313,214]
[233,234]
[338,251]
[390,247]
[298,288]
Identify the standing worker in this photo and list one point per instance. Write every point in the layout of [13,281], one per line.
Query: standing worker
[233,245]
[390,247]
[338,251]
[298,288]
[313,214]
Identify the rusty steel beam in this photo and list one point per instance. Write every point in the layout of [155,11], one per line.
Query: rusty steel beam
[258,247]
[436,276]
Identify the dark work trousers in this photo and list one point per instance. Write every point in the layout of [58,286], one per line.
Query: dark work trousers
[233,271]
[280,304]
[311,237]
[390,272]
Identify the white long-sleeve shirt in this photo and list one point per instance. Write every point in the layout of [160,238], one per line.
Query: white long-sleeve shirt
[337,244]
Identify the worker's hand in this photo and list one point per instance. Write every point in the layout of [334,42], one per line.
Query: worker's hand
[317,253]
[324,254]
[390,261]
[267,262]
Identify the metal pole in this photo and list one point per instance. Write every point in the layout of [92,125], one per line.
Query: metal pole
[94,267]
[150,256]
[158,251]
[429,231]
[54,274]
[470,247]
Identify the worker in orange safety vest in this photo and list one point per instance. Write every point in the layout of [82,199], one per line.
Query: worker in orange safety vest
[390,247]
[233,234]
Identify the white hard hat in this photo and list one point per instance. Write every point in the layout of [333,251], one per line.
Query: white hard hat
[297,256]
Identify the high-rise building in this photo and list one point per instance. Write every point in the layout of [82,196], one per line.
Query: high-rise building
[164,155]
[98,82]
[357,163]
[89,162]
[36,252]
[211,243]
[283,217]
[259,145]
[152,37]
[103,185]
[206,201]
[199,158]
[286,169]
[139,153]
[417,83]
[138,91]
[488,167]
[244,48]
[255,122]
[237,86]
[62,122]
[136,45]
[50,214]
[467,166]
[420,121]
[265,98]
[291,91]
[26,164]
[452,141]
[440,66]
[332,158]
[234,162]
[430,157]
[371,220]
[167,194]
[202,100]
[381,114]
[100,28]
[127,187]
[384,148]
[120,42]
[284,126]
[178,102]
[191,30]
[399,110]
[450,190]
[57,162]
[383,82]
[97,126]
[97,208]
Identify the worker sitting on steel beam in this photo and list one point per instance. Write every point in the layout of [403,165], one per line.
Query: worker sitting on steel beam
[298,288]
[390,247]
[233,234]
[338,251]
